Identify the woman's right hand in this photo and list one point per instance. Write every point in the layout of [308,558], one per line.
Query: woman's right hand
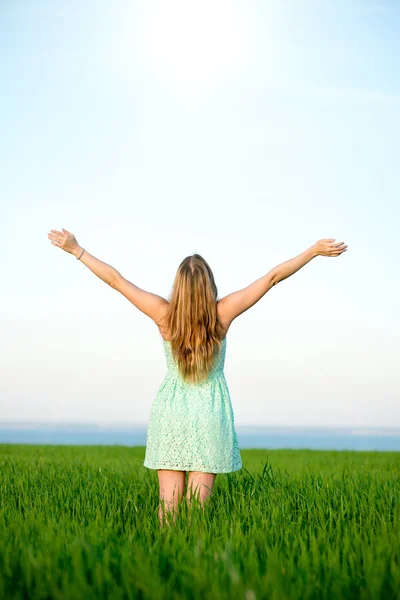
[327,247]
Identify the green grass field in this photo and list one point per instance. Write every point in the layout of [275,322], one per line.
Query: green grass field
[81,522]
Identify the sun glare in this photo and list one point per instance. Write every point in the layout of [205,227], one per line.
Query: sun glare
[194,45]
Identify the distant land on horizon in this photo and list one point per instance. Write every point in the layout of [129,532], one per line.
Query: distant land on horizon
[249,436]
[247,427]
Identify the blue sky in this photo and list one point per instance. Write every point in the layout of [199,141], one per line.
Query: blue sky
[241,131]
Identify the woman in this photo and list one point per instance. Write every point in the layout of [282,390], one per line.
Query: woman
[191,426]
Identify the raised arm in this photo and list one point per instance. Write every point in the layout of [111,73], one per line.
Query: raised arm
[150,304]
[233,305]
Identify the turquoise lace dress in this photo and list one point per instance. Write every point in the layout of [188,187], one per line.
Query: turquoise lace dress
[191,426]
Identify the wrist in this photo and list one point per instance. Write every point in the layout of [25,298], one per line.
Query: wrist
[77,251]
[314,251]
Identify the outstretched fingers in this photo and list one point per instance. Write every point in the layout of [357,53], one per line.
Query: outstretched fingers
[337,249]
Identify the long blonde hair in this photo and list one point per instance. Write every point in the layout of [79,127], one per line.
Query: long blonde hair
[192,319]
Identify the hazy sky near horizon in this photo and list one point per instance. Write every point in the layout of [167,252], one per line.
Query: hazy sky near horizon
[241,131]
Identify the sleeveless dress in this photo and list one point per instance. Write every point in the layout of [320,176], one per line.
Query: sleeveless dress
[191,425]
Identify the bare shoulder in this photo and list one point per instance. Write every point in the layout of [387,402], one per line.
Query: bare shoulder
[160,320]
[236,303]
[223,316]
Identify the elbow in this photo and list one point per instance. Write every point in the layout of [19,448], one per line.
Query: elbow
[274,279]
[114,282]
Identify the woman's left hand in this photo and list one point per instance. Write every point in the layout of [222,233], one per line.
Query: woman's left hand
[63,239]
